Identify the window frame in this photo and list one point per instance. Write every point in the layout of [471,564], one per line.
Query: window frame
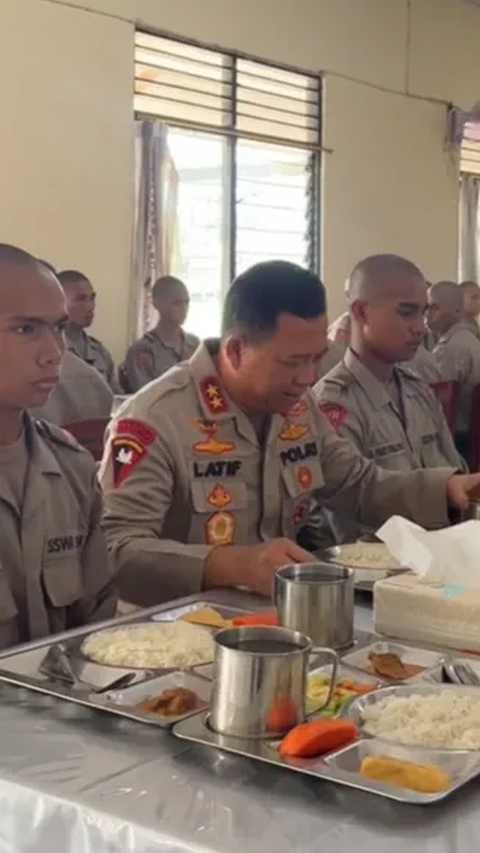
[230,136]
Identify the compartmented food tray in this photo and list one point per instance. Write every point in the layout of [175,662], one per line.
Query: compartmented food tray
[423,659]
[342,766]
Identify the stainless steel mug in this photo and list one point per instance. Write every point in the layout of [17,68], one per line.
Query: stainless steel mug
[260,680]
[473,511]
[317,600]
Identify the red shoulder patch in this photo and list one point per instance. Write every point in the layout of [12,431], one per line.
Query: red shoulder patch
[213,395]
[334,414]
[142,357]
[126,453]
[144,433]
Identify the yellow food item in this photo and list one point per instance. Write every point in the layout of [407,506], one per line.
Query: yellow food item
[427,779]
[206,616]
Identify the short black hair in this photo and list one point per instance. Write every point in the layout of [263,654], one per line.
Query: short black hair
[164,284]
[469,285]
[68,277]
[258,296]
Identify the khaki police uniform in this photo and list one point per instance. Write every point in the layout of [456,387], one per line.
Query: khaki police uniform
[471,324]
[401,433]
[94,353]
[55,572]
[151,356]
[457,353]
[184,471]
[81,394]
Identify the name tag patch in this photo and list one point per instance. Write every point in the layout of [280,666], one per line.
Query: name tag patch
[387,450]
[299,453]
[217,468]
[429,438]
[66,544]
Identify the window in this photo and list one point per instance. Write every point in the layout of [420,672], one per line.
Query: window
[470,203]
[244,138]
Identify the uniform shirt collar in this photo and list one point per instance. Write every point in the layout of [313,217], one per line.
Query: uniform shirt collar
[39,451]
[373,388]
[213,398]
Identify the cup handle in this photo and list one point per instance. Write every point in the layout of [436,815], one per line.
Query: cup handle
[329,653]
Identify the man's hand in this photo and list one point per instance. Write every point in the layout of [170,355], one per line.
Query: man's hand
[252,566]
[462,488]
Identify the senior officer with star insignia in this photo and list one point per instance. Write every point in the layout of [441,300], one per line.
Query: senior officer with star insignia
[211,471]
[54,568]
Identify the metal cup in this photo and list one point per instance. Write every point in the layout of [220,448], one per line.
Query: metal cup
[260,681]
[317,600]
[473,511]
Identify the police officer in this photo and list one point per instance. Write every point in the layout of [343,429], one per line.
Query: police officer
[165,345]
[211,471]
[471,305]
[422,363]
[384,409]
[81,300]
[457,350]
[54,568]
[80,394]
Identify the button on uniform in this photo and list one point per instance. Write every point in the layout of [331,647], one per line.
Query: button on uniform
[54,568]
[150,357]
[197,476]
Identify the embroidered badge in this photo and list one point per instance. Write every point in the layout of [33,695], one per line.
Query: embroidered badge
[334,414]
[143,356]
[126,453]
[292,432]
[144,433]
[298,409]
[304,478]
[219,497]
[213,396]
[210,444]
[220,529]
[300,513]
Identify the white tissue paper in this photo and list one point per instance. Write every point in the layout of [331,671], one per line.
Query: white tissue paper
[438,601]
[447,558]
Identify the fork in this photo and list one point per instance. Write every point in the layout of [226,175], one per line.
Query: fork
[466,674]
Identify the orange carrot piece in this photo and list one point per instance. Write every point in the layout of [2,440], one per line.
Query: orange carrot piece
[363,688]
[317,737]
[264,617]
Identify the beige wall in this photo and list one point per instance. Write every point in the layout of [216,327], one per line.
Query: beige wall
[66,73]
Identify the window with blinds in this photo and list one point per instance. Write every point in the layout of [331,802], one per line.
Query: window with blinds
[243,139]
[470,149]
[196,87]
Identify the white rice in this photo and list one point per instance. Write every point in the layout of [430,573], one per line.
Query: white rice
[366,555]
[444,720]
[177,645]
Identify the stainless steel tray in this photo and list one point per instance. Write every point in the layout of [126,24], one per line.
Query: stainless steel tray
[341,766]
[20,666]
[355,709]
[428,658]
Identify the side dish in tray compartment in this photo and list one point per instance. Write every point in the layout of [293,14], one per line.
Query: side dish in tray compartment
[345,689]
[173,702]
[427,779]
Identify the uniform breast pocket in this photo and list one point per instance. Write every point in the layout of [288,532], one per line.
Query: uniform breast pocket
[61,569]
[429,449]
[219,514]
[299,482]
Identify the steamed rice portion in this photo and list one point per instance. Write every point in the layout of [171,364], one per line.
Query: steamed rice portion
[444,720]
[367,555]
[175,645]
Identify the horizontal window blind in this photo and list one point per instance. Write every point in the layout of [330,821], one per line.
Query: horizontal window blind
[470,149]
[200,88]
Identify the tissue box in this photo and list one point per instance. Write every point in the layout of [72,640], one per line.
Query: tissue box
[441,616]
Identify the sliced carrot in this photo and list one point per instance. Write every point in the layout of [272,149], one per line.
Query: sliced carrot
[363,688]
[317,737]
[264,617]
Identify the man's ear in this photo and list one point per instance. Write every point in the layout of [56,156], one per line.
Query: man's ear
[233,347]
[358,310]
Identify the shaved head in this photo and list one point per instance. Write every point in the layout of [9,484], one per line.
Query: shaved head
[81,297]
[445,306]
[387,298]
[379,274]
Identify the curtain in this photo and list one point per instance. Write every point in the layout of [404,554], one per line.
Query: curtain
[469,219]
[155,219]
